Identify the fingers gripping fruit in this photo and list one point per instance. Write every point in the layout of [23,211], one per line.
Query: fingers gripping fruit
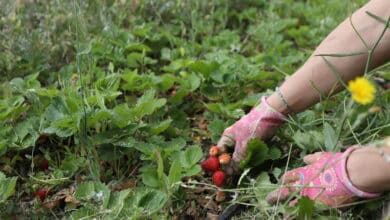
[261,122]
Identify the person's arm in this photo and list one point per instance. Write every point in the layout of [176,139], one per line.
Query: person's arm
[298,91]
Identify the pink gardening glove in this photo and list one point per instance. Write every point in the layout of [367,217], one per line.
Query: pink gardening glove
[324,180]
[261,122]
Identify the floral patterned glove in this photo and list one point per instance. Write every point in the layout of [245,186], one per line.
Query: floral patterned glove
[261,122]
[324,179]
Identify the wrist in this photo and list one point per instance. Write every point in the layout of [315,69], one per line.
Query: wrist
[275,103]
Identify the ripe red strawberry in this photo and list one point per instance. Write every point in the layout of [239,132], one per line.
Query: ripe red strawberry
[44,164]
[214,151]
[42,193]
[224,159]
[219,178]
[211,164]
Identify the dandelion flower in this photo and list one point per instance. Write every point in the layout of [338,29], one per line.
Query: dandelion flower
[362,90]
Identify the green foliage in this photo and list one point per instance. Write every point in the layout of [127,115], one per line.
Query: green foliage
[7,187]
[258,152]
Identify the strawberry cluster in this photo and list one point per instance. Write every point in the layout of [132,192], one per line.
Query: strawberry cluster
[213,164]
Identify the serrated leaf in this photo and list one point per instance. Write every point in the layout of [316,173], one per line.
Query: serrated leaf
[191,156]
[205,68]
[150,177]
[194,170]
[193,81]
[330,137]
[305,208]
[256,154]
[116,202]
[122,115]
[216,127]
[147,104]
[160,127]
[7,187]
[274,153]
[93,191]
[174,172]
[152,201]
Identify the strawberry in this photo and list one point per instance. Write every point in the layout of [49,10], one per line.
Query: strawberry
[203,126]
[42,193]
[219,178]
[220,196]
[224,159]
[211,164]
[214,151]
[44,164]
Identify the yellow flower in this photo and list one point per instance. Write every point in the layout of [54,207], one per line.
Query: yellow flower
[362,90]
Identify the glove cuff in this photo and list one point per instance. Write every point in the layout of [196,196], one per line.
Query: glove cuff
[270,109]
[346,180]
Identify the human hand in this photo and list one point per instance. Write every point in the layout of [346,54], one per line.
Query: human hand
[261,122]
[325,179]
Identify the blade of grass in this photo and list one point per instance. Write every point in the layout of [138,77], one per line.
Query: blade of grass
[371,51]
[341,54]
[335,72]
[376,17]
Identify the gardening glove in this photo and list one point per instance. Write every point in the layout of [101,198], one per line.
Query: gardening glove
[261,122]
[324,179]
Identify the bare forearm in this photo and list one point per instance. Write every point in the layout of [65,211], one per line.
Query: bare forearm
[298,89]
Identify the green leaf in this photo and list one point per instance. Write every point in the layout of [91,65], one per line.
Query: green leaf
[138,47]
[160,127]
[95,192]
[216,127]
[205,68]
[193,81]
[147,104]
[192,171]
[191,156]
[153,201]
[116,203]
[305,208]
[274,153]
[256,154]
[134,59]
[71,164]
[122,115]
[150,177]
[330,137]
[174,172]
[7,187]
[83,213]
[229,111]
[166,81]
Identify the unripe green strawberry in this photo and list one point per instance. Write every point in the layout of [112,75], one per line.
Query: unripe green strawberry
[211,164]
[219,178]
